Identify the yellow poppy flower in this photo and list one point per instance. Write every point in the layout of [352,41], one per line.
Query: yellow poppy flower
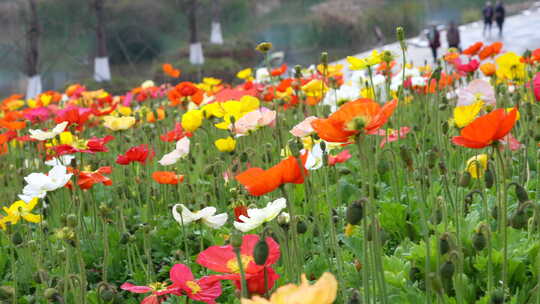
[477,165]
[322,292]
[510,67]
[357,64]
[245,74]
[119,123]
[315,88]
[464,115]
[20,209]
[192,120]
[225,144]
[126,111]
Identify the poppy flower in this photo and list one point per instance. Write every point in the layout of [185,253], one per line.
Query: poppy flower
[476,90]
[279,71]
[304,128]
[184,92]
[169,70]
[138,153]
[486,129]
[240,210]
[341,157]
[74,116]
[259,182]
[469,67]
[256,217]
[473,49]
[87,179]
[488,69]
[391,135]
[490,50]
[118,123]
[167,177]
[181,150]
[536,86]
[205,289]
[91,146]
[223,259]
[175,135]
[353,117]
[160,291]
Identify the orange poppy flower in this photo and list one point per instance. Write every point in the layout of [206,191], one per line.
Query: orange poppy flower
[490,50]
[87,179]
[258,181]
[488,68]
[167,177]
[487,129]
[344,123]
[170,71]
[473,49]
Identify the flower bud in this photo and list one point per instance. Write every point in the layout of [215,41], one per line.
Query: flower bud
[479,241]
[324,59]
[406,156]
[442,167]
[71,220]
[447,270]
[260,252]
[355,297]
[16,238]
[297,71]
[519,219]
[124,238]
[521,193]
[489,178]
[444,244]
[50,294]
[415,274]
[465,179]
[236,240]
[400,35]
[301,227]
[432,156]
[264,47]
[497,297]
[355,211]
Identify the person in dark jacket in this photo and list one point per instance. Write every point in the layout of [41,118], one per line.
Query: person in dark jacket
[488,17]
[434,41]
[452,36]
[500,14]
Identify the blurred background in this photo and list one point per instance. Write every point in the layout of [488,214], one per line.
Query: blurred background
[138,36]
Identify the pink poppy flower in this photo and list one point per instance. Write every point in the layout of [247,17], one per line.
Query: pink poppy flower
[37,114]
[511,142]
[255,119]
[536,84]
[470,67]
[342,157]
[304,128]
[205,289]
[477,89]
[160,291]
[392,135]
[92,146]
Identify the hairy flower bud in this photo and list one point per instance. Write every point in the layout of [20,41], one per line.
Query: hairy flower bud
[71,220]
[355,211]
[260,252]
[479,241]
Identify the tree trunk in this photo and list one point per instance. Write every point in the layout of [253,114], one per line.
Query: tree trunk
[33,33]
[216,36]
[195,48]
[102,71]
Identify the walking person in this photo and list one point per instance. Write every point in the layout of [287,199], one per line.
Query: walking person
[488,18]
[452,36]
[500,14]
[434,39]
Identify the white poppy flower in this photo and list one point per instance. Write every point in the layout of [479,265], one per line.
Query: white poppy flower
[257,217]
[315,157]
[38,184]
[205,215]
[181,150]
[44,135]
[63,160]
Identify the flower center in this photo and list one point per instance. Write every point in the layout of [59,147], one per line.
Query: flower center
[157,286]
[195,288]
[233,266]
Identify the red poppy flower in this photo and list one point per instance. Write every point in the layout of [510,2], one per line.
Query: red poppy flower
[223,259]
[470,67]
[342,157]
[92,146]
[169,70]
[259,182]
[536,85]
[341,125]
[205,289]
[160,291]
[184,92]
[176,134]
[5,138]
[87,179]
[138,153]
[487,129]
[74,116]
[473,49]
[240,210]
[490,50]
[279,71]
[167,177]
[11,121]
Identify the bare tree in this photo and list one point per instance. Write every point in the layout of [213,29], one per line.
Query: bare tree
[196,55]
[102,70]
[216,36]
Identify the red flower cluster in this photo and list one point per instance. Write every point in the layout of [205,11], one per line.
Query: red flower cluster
[138,153]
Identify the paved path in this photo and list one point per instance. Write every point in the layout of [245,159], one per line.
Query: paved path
[521,32]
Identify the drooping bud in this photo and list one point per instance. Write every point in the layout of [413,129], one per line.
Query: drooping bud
[521,193]
[447,270]
[479,241]
[71,220]
[50,294]
[489,178]
[260,252]
[465,179]
[519,219]
[355,211]
[16,238]
[444,244]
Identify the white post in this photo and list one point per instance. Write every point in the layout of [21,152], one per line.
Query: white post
[216,36]
[102,71]
[196,55]
[33,88]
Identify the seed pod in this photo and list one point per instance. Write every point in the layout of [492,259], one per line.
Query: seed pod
[465,179]
[260,252]
[497,297]
[301,227]
[406,156]
[447,270]
[521,193]
[489,178]
[479,241]
[355,211]
[71,220]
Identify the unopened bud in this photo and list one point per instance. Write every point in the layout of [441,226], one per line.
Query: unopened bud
[355,297]
[479,241]
[497,297]
[355,211]
[260,252]
[400,35]
[406,156]
[71,220]
[521,193]
[465,179]
[489,178]
[447,270]
[298,71]
[236,240]
[301,227]
[444,244]
[16,238]
[324,59]
[50,293]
